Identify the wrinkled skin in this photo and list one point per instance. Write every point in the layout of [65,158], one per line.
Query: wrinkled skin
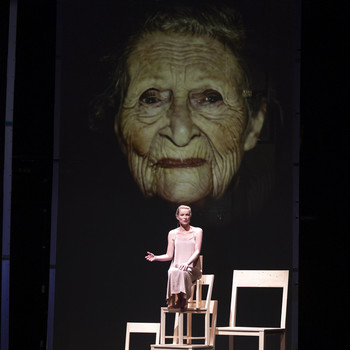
[183,123]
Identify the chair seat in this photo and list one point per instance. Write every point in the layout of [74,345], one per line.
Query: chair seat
[246,330]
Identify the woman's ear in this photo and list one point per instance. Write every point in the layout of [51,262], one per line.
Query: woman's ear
[254,128]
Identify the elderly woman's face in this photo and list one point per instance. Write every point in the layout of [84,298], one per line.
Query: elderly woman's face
[183,120]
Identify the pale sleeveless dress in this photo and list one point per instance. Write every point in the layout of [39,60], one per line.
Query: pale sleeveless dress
[178,280]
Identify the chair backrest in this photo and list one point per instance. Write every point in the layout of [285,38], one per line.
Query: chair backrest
[139,327]
[258,279]
[197,290]
[199,263]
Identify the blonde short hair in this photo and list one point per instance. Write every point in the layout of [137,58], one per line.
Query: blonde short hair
[183,207]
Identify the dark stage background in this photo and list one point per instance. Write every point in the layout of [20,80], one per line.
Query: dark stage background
[104,223]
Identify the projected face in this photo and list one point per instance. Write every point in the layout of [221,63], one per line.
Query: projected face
[183,121]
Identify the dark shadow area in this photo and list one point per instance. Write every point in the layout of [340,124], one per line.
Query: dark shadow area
[324,189]
[257,307]
[324,194]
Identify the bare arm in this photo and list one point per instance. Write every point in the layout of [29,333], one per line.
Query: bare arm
[169,252]
[197,250]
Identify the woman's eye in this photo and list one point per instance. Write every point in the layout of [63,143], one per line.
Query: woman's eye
[206,98]
[149,97]
[213,97]
[154,97]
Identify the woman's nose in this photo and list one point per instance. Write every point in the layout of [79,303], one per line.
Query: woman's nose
[181,129]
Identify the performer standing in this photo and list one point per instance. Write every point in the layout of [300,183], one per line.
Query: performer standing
[184,246]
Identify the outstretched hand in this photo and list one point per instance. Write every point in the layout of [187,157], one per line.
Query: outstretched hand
[150,256]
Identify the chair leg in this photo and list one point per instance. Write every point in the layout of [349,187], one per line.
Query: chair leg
[283,341]
[176,329]
[127,338]
[181,328]
[189,328]
[261,340]
[207,328]
[230,342]
[162,328]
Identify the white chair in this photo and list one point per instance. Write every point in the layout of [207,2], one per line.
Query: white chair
[257,279]
[213,309]
[139,327]
[195,306]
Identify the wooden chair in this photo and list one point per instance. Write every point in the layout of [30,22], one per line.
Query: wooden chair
[257,279]
[213,309]
[139,327]
[195,306]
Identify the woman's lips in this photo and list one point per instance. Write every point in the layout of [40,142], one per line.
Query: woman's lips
[180,163]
